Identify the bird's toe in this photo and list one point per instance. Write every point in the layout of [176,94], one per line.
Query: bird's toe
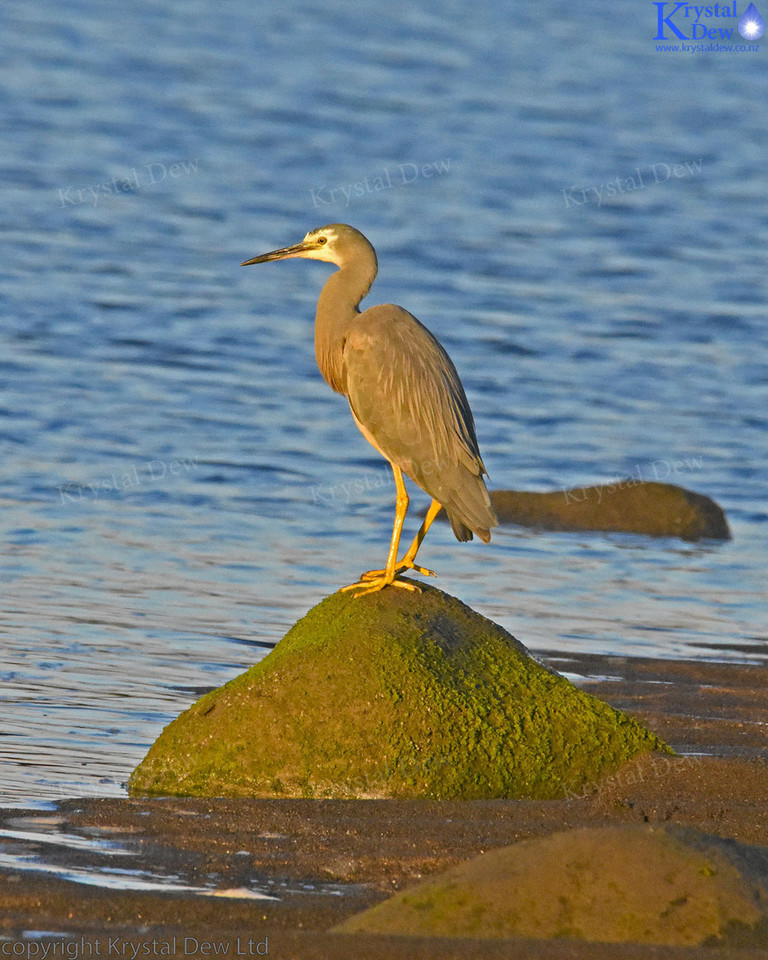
[400,567]
[373,585]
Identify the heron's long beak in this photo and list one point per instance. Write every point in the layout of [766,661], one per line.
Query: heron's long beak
[297,250]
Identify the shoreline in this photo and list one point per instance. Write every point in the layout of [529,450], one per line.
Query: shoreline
[324,860]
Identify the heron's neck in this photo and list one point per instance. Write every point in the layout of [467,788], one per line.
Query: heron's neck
[337,310]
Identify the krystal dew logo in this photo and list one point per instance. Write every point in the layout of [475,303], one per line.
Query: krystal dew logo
[699,20]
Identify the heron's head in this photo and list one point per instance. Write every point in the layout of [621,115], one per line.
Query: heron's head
[335,243]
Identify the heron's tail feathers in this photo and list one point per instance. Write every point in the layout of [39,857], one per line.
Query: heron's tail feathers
[470,511]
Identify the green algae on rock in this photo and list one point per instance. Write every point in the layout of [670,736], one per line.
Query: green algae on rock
[616,884]
[392,695]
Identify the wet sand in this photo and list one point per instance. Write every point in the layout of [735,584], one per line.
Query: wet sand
[324,859]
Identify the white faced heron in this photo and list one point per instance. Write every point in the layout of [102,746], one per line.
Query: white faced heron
[405,394]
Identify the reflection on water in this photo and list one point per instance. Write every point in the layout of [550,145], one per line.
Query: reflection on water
[42,849]
[177,483]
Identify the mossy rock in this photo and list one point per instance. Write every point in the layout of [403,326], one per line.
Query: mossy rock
[395,694]
[616,884]
[626,506]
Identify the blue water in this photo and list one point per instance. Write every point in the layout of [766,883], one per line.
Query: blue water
[581,220]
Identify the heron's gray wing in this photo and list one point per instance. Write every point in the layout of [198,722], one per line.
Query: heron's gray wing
[409,402]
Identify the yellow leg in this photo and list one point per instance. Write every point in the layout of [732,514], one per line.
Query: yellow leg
[407,563]
[376,580]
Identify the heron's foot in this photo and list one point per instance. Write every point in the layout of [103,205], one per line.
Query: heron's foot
[404,564]
[370,584]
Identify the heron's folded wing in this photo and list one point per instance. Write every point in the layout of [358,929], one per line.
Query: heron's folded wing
[408,399]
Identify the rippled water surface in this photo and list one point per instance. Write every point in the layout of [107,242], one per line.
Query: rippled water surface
[581,220]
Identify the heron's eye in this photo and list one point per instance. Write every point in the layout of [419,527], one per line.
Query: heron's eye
[322,240]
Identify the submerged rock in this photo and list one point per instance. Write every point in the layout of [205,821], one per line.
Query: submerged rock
[395,694]
[617,884]
[626,506]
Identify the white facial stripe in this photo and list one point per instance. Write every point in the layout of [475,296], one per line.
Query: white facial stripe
[314,234]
